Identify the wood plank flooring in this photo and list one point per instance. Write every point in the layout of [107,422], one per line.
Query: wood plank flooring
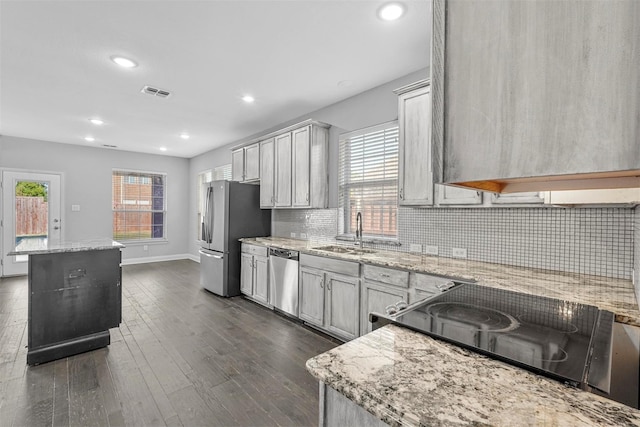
[181,357]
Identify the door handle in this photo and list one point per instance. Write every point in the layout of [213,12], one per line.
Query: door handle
[56,227]
[210,255]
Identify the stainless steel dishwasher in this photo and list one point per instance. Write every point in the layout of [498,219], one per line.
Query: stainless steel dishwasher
[283,280]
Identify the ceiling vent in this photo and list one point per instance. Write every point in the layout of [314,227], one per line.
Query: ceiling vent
[150,90]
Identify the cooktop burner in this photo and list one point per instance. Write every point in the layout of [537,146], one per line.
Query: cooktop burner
[564,340]
[472,316]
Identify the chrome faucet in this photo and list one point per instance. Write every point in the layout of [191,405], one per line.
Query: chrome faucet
[359,229]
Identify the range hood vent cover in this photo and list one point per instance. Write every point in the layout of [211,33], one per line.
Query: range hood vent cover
[150,90]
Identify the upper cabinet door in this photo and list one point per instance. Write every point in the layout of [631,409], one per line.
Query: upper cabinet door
[252,162]
[237,165]
[282,194]
[415,170]
[301,170]
[528,90]
[450,195]
[267,173]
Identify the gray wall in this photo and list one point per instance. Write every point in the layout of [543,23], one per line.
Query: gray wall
[87,182]
[374,106]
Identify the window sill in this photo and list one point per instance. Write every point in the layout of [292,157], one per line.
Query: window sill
[372,240]
[142,242]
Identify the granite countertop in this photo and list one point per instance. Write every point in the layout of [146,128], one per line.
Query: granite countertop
[615,295]
[408,379]
[45,247]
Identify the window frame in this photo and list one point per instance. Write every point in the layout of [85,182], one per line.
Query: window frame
[344,207]
[142,176]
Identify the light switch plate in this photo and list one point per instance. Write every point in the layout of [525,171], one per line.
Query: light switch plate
[431,250]
[459,252]
[75,208]
[415,247]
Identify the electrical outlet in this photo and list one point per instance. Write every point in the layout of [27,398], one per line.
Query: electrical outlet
[145,247]
[303,235]
[75,208]
[415,247]
[431,250]
[293,235]
[459,253]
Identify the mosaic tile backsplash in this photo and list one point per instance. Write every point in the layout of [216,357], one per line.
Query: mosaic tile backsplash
[598,241]
[636,263]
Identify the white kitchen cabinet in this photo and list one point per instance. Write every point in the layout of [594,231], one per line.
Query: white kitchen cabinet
[267,173]
[527,198]
[447,195]
[301,166]
[254,273]
[245,163]
[329,295]
[341,294]
[375,298]
[415,179]
[283,158]
[312,296]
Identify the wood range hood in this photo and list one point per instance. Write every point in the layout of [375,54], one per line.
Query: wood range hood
[536,96]
[583,181]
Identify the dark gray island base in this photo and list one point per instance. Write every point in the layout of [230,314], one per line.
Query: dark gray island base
[75,296]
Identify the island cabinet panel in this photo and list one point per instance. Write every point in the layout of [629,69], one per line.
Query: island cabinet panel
[536,88]
[338,410]
[74,299]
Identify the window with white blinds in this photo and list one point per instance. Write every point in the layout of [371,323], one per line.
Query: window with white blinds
[222,172]
[139,205]
[368,180]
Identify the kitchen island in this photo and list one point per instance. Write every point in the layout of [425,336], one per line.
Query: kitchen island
[399,377]
[75,296]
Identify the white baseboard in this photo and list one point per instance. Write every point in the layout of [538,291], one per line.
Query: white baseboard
[145,260]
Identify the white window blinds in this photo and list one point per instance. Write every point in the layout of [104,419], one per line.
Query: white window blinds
[368,180]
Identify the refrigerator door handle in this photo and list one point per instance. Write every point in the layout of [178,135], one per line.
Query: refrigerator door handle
[210,255]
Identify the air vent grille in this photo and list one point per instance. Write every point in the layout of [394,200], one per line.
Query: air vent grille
[150,90]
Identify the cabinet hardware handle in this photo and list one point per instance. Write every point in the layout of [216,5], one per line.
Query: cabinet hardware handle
[329,286]
[401,193]
[321,284]
[77,273]
[384,275]
[307,197]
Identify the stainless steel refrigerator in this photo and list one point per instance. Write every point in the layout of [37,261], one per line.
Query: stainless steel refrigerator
[231,211]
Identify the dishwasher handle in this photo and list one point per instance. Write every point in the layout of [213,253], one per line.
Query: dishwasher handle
[284,253]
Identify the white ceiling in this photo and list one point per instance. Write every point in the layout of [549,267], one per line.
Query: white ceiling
[56,72]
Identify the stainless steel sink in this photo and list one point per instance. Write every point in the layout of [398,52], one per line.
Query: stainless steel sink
[344,250]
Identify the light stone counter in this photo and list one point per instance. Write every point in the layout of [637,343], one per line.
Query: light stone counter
[615,295]
[45,247]
[408,379]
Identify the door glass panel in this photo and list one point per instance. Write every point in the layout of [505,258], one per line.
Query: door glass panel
[32,216]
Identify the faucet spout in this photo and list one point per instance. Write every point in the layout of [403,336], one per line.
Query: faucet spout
[359,229]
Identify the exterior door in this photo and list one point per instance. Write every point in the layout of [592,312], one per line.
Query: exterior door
[31,216]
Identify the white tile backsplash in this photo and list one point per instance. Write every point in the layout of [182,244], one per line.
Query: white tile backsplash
[598,241]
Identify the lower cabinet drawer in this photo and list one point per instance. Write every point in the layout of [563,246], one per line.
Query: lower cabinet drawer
[385,275]
[255,250]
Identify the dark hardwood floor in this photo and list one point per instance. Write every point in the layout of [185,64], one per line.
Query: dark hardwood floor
[181,357]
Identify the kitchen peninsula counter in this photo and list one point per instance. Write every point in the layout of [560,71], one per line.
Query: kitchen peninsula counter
[409,379]
[75,296]
[615,295]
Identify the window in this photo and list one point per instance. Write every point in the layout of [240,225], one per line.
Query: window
[219,173]
[139,205]
[368,180]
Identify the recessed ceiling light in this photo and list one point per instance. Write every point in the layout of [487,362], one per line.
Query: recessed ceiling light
[184,135]
[391,11]
[124,62]
[96,121]
[163,148]
[248,99]
[89,138]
